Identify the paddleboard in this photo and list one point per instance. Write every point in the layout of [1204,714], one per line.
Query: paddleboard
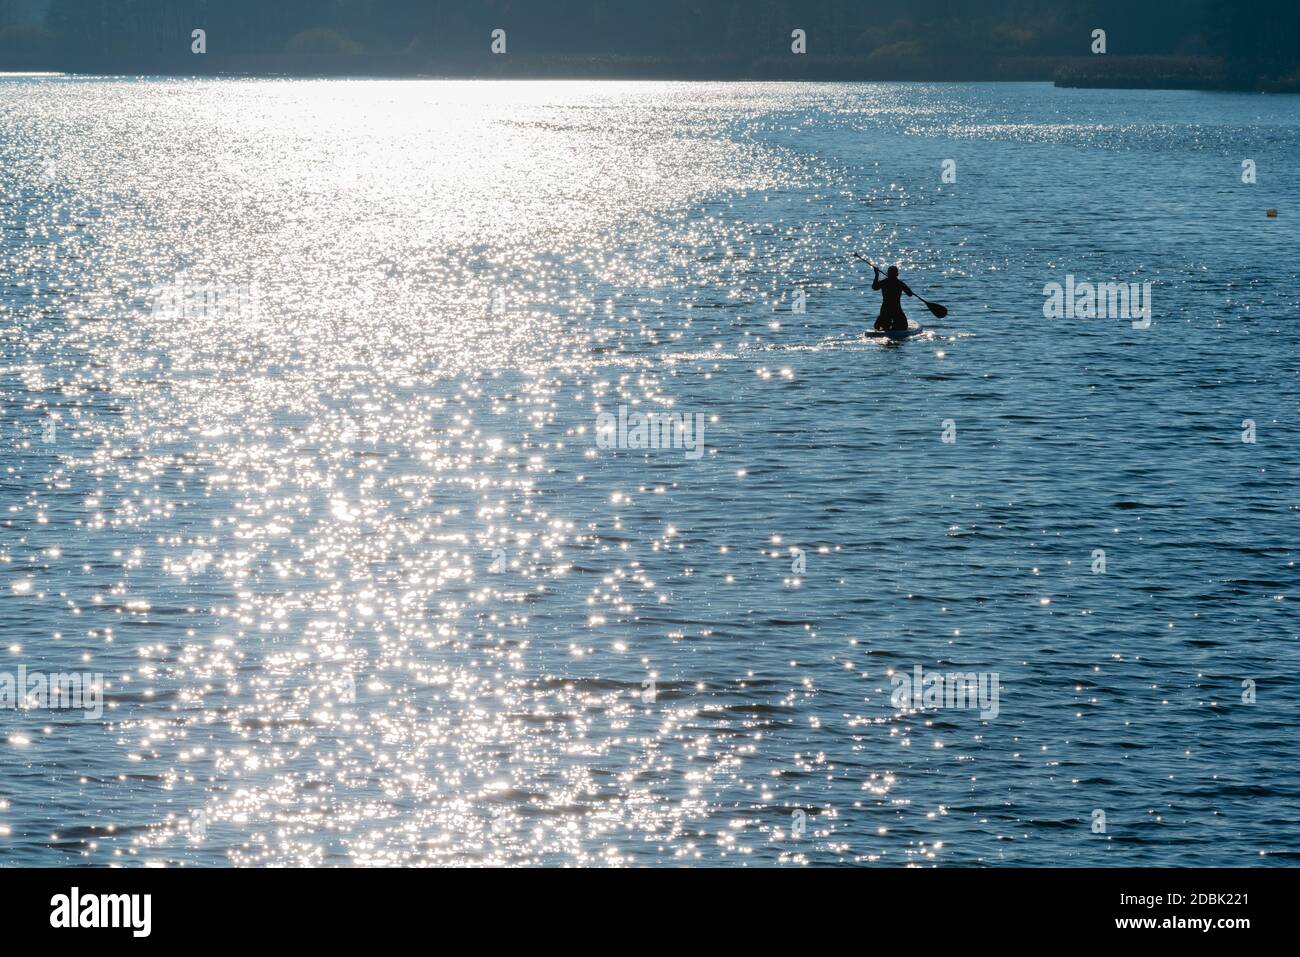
[913,330]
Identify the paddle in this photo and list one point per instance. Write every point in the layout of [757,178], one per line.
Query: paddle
[940,312]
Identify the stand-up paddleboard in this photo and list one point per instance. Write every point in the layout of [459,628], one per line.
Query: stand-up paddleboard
[913,330]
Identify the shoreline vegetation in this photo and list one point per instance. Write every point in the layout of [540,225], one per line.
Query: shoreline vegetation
[1167,73]
[1142,72]
[1110,72]
[1108,44]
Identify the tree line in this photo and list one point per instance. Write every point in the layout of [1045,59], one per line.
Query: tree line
[1254,36]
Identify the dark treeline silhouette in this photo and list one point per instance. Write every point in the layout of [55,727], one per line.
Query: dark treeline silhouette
[1260,38]
[1252,39]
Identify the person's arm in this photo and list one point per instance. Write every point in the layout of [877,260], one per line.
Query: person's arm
[875,283]
[907,290]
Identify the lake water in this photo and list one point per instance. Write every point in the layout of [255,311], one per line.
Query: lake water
[303,453]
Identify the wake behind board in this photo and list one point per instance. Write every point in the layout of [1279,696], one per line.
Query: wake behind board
[913,330]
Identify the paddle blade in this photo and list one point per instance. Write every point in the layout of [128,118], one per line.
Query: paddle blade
[940,312]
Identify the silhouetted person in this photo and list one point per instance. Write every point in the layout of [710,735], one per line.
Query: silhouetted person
[892,318]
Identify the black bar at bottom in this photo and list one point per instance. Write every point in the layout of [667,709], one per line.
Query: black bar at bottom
[338,906]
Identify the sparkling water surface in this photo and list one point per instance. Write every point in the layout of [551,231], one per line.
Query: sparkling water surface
[366,589]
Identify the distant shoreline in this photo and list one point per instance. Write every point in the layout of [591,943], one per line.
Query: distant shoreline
[567,66]
[1167,73]
[1109,72]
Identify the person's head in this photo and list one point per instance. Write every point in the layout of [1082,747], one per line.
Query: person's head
[893,272]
